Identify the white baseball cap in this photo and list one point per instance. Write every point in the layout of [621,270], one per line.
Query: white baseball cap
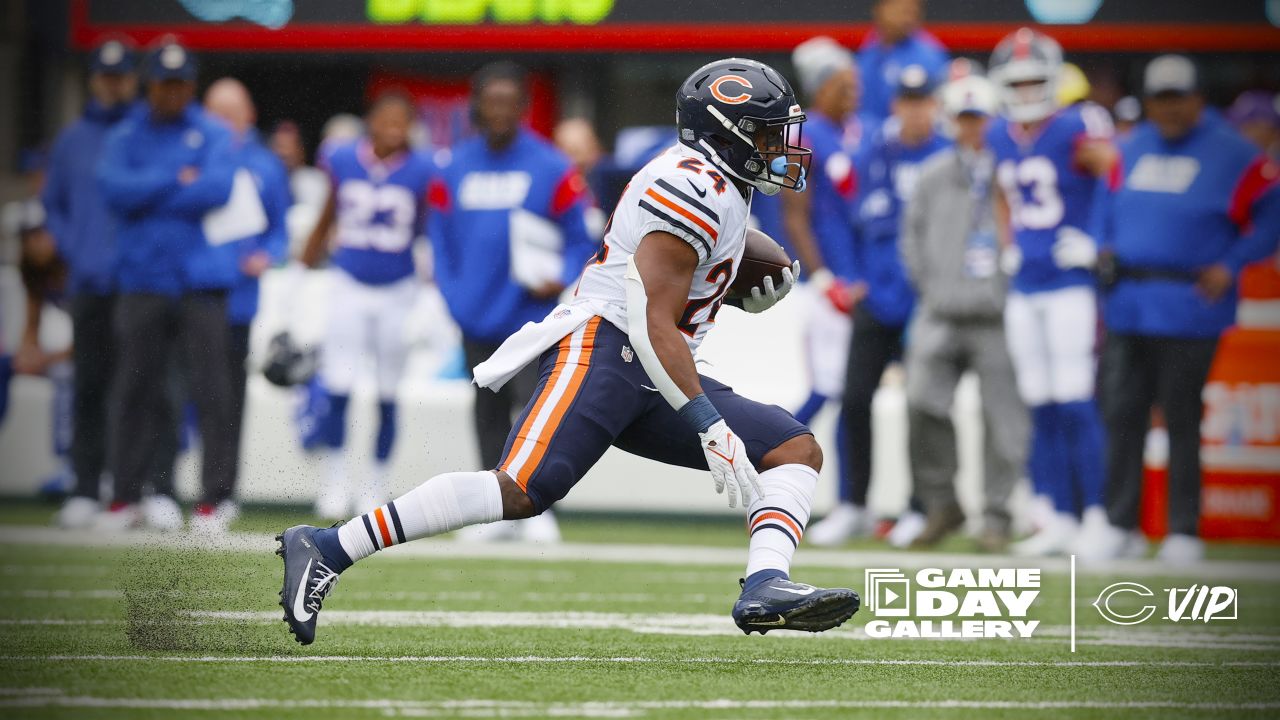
[1170,74]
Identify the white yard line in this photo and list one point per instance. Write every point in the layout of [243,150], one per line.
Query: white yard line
[1224,637]
[651,554]
[617,708]
[588,660]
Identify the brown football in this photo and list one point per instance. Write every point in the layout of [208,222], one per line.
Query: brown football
[762,258]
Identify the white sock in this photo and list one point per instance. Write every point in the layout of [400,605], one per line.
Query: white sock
[776,520]
[335,470]
[442,504]
[377,480]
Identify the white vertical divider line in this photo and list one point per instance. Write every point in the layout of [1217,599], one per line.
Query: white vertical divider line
[1073,603]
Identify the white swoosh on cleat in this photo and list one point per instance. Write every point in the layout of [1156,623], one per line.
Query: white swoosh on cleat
[807,591]
[300,612]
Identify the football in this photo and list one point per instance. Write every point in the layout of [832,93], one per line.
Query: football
[763,257]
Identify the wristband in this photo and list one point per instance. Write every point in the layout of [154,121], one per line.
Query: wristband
[700,413]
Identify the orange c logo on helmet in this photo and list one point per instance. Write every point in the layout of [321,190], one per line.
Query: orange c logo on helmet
[730,99]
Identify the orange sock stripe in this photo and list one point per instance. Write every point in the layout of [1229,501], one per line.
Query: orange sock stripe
[778,516]
[382,527]
[523,435]
[579,370]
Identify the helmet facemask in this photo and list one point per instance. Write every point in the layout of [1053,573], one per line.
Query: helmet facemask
[774,156]
[1028,89]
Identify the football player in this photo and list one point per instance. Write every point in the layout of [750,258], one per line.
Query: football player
[375,210]
[820,227]
[881,296]
[1051,164]
[617,368]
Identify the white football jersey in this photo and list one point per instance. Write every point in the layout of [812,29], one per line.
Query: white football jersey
[682,193]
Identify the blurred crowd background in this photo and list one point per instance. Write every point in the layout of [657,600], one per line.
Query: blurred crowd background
[287,90]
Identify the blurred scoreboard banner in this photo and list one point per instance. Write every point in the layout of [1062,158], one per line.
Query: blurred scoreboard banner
[662,25]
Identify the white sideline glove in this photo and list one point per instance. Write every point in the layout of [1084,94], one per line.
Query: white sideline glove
[730,468]
[764,298]
[1074,249]
[1011,260]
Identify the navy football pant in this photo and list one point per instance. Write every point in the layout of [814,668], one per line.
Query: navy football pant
[593,392]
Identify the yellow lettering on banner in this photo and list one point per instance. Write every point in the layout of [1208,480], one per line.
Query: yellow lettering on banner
[393,11]
[474,12]
[453,12]
[515,11]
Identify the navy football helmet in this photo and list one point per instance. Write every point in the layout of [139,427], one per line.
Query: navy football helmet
[744,117]
[287,364]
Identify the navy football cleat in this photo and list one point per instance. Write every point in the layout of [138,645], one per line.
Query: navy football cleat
[779,604]
[308,579]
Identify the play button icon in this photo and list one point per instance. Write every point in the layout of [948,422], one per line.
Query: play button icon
[889,597]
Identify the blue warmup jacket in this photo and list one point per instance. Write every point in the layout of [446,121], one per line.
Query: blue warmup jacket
[833,185]
[887,173]
[1206,198]
[158,219]
[272,180]
[881,65]
[76,213]
[470,205]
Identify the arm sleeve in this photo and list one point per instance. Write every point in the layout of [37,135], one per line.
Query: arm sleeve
[568,209]
[439,209]
[276,201]
[856,253]
[213,188]
[129,190]
[55,195]
[1263,234]
[912,233]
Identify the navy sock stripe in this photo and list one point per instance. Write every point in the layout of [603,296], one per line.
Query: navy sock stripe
[373,537]
[395,520]
[778,509]
[779,528]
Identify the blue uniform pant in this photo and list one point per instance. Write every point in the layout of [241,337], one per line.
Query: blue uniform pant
[593,392]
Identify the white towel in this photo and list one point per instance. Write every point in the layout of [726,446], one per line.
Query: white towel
[526,344]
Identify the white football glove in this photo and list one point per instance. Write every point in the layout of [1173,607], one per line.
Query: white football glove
[1074,249]
[730,468]
[764,298]
[1011,260]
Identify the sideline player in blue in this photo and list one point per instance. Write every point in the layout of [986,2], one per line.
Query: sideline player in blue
[375,211]
[1052,164]
[228,100]
[1196,204]
[494,189]
[820,226]
[617,368]
[81,224]
[898,42]
[883,299]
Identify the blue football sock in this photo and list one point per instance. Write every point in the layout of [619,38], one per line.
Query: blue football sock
[386,429]
[327,542]
[844,481]
[1082,430]
[1050,459]
[810,407]
[757,578]
[334,424]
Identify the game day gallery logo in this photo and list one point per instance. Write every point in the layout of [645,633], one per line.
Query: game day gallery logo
[957,603]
